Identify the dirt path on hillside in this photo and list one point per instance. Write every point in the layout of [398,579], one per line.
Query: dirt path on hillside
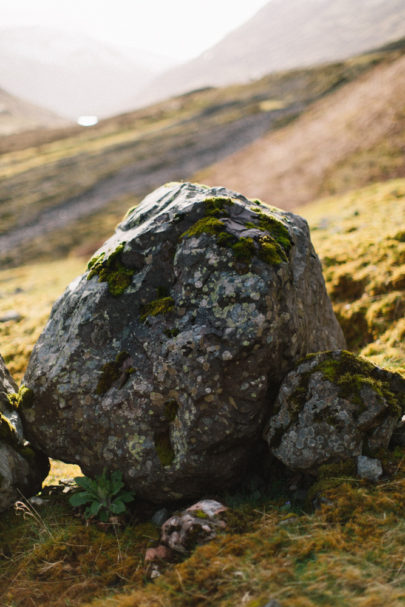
[291,167]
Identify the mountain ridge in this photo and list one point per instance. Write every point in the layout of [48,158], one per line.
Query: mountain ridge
[285,34]
[71,74]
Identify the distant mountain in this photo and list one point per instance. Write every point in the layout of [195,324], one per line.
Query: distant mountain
[72,74]
[17,115]
[286,34]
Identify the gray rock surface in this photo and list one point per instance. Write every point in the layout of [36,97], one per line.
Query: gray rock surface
[22,470]
[334,406]
[196,525]
[159,359]
[369,468]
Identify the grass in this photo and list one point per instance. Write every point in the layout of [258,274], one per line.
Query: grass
[30,291]
[359,240]
[347,552]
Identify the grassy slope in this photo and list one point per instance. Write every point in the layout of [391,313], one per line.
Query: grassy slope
[131,154]
[353,138]
[360,238]
[348,553]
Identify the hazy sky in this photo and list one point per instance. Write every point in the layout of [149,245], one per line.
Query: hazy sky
[177,28]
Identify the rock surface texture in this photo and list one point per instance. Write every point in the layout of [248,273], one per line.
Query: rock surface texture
[159,360]
[334,406]
[22,470]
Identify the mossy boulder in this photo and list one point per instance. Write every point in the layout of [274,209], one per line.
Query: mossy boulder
[334,406]
[22,469]
[158,361]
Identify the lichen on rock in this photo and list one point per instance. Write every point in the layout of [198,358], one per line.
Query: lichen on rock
[334,406]
[224,297]
[111,270]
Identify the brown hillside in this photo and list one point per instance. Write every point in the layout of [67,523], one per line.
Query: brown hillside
[352,138]
[17,115]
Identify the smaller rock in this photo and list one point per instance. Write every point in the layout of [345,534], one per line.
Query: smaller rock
[209,507]
[272,603]
[333,406]
[11,316]
[369,468]
[195,525]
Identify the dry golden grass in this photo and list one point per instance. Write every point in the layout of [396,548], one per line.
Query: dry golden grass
[360,238]
[348,552]
[30,291]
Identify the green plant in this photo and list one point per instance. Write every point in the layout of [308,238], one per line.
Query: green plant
[105,496]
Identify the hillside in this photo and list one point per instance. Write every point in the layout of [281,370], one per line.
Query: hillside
[17,115]
[287,34]
[352,138]
[80,177]
[72,74]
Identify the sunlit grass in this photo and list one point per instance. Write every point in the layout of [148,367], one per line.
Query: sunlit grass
[360,238]
[30,291]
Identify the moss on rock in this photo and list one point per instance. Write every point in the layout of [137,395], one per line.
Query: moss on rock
[7,432]
[272,248]
[352,374]
[111,270]
[163,305]
[164,448]
[23,398]
[112,371]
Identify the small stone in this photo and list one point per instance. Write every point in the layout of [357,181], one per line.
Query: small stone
[369,468]
[196,525]
[210,507]
[160,516]
[11,316]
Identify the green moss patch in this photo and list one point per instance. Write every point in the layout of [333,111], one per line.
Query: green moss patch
[276,229]
[24,398]
[352,374]
[7,432]
[164,448]
[163,305]
[111,270]
[218,206]
[118,369]
[272,248]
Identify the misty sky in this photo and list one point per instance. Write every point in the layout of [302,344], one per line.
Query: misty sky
[178,28]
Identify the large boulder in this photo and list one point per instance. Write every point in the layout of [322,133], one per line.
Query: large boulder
[159,360]
[332,407]
[22,469]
